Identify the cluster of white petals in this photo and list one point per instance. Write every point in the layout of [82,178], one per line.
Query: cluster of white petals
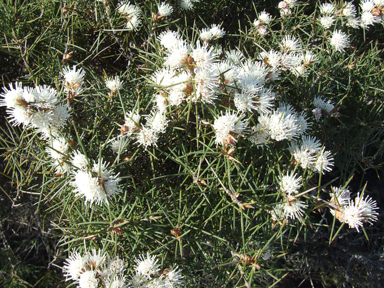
[95,268]
[114,84]
[353,212]
[228,126]
[37,107]
[323,107]
[215,32]
[132,14]
[339,40]
[309,154]
[147,274]
[290,183]
[187,4]
[74,79]
[164,9]
[95,184]
[286,7]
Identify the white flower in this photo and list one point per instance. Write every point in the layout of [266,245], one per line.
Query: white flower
[96,185]
[132,123]
[353,22]
[116,266]
[277,212]
[262,30]
[367,19]
[60,115]
[73,78]
[97,258]
[291,3]
[234,56]
[340,196]
[349,10]
[290,184]
[227,126]
[282,126]
[114,84]
[327,21]
[119,144]
[325,106]
[126,8]
[178,57]
[308,58]
[271,58]
[157,121]
[265,17]
[13,96]
[339,40]
[116,282]
[358,211]
[164,9]
[88,279]
[170,39]
[134,23]
[186,4]
[327,9]
[290,61]
[79,160]
[324,161]
[147,266]
[290,43]
[174,277]
[147,137]
[216,31]
[293,208]
[202,56]
[302,124]
[74,266]
[368,206]
[306,153]
[244,101]
[161,102]
[367,5]
[59,148]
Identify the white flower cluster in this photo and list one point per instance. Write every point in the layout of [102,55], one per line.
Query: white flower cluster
[114,84]
[148,274]
[96,184]
[74,79]
[227,127]
[339,40]
[164,9]
[309,154]
[215,32]
[283,123]
[291,208]
[95,269]
[291,57]
[37,107]
[347,11]
[132,13]
[323,107]
[188,4]
[261,24]
[372,12]
[353,212]
[286,7]
[58,151]
[146,135]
